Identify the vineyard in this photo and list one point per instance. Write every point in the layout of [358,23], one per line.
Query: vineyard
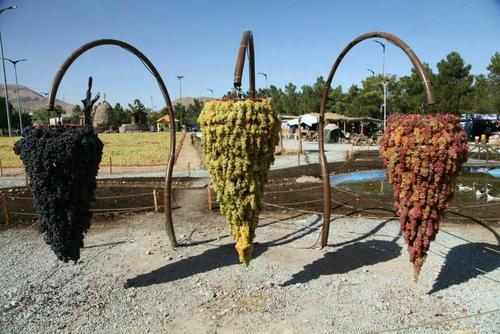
[125,149]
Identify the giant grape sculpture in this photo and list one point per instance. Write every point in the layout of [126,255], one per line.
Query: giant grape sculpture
[238,140]
[422,155]
[62,165]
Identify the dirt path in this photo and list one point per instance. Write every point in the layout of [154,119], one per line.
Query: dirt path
[189,158]
[130,280]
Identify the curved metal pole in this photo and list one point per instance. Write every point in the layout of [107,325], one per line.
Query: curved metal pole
[424,76]
[170,164]
[246,43]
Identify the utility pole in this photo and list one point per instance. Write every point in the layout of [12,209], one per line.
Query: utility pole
[14,62]
[265,76]
[384,82]
[180,77]
[5,76]
[211,91]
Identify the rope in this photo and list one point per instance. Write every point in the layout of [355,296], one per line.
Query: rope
[432,323]
[101,197]
[291,190]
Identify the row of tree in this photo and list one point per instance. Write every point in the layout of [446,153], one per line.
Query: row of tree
[456,91]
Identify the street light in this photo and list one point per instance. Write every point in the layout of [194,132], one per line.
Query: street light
[384,83]
[180,77]
[265,75]
[14,62]
[6,94]
[372,71]
[211,91]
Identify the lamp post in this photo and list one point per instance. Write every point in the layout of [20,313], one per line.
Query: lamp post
[14,62]
[180,77]
[265,75]
[384,83]
[6,94]
[372,71]
[211,91]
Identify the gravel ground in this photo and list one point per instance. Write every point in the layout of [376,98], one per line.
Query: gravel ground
[130,280]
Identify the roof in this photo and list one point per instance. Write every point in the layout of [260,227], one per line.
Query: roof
[165,119]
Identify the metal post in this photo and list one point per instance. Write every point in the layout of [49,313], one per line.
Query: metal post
[6,94]
[424,76]
[180,77]
[14,62]
[170,164]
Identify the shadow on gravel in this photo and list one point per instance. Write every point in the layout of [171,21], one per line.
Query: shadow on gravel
[212,259]
[347,258]
[467,261]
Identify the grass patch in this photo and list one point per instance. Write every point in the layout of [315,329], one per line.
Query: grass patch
[125,149]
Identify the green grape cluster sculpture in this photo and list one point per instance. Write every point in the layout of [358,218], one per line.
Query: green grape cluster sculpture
[238,138]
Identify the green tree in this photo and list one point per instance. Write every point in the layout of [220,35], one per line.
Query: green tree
[3,115]
[41,116]
[193,112]
[291,98]
[453,85]
[180,109]
[494,80]
[136,106]
[122,116]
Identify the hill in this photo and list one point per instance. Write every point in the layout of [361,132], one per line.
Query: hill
[187,100]
[32,100]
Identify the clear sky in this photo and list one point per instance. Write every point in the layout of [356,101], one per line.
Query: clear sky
[295,41]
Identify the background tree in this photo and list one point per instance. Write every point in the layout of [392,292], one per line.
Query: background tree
[193,112]
[453,85]
[178,109]
[136,106]
[41,116]
[122,116]
[494,80]
[3,115]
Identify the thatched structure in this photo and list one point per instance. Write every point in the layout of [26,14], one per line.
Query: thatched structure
[104,118]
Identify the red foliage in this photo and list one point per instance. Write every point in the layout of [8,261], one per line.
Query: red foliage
[422,155]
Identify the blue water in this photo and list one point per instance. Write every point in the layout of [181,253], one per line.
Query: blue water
[380,175]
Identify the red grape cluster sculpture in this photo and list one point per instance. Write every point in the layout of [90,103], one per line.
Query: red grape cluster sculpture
[422,154]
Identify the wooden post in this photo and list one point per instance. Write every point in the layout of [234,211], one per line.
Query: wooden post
[298,158]
[110,166]
[209,199]
[155,199]
[189,169]
[1,168]
[5,209]
[281,141]
[300,138]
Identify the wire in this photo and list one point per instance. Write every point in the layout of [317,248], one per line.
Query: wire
[432,323]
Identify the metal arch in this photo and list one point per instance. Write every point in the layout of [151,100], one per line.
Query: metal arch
[246,44]
[171,159]
[424,76]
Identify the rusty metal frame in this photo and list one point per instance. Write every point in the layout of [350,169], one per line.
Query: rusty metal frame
[171,158]
[245,45]
[424,76]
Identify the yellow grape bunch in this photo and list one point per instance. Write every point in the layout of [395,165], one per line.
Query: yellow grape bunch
[238,138]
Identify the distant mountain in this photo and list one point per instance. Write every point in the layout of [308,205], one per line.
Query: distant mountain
[187,100]
[31,100]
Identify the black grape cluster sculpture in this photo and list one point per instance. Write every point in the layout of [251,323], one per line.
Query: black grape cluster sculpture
[62,165]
